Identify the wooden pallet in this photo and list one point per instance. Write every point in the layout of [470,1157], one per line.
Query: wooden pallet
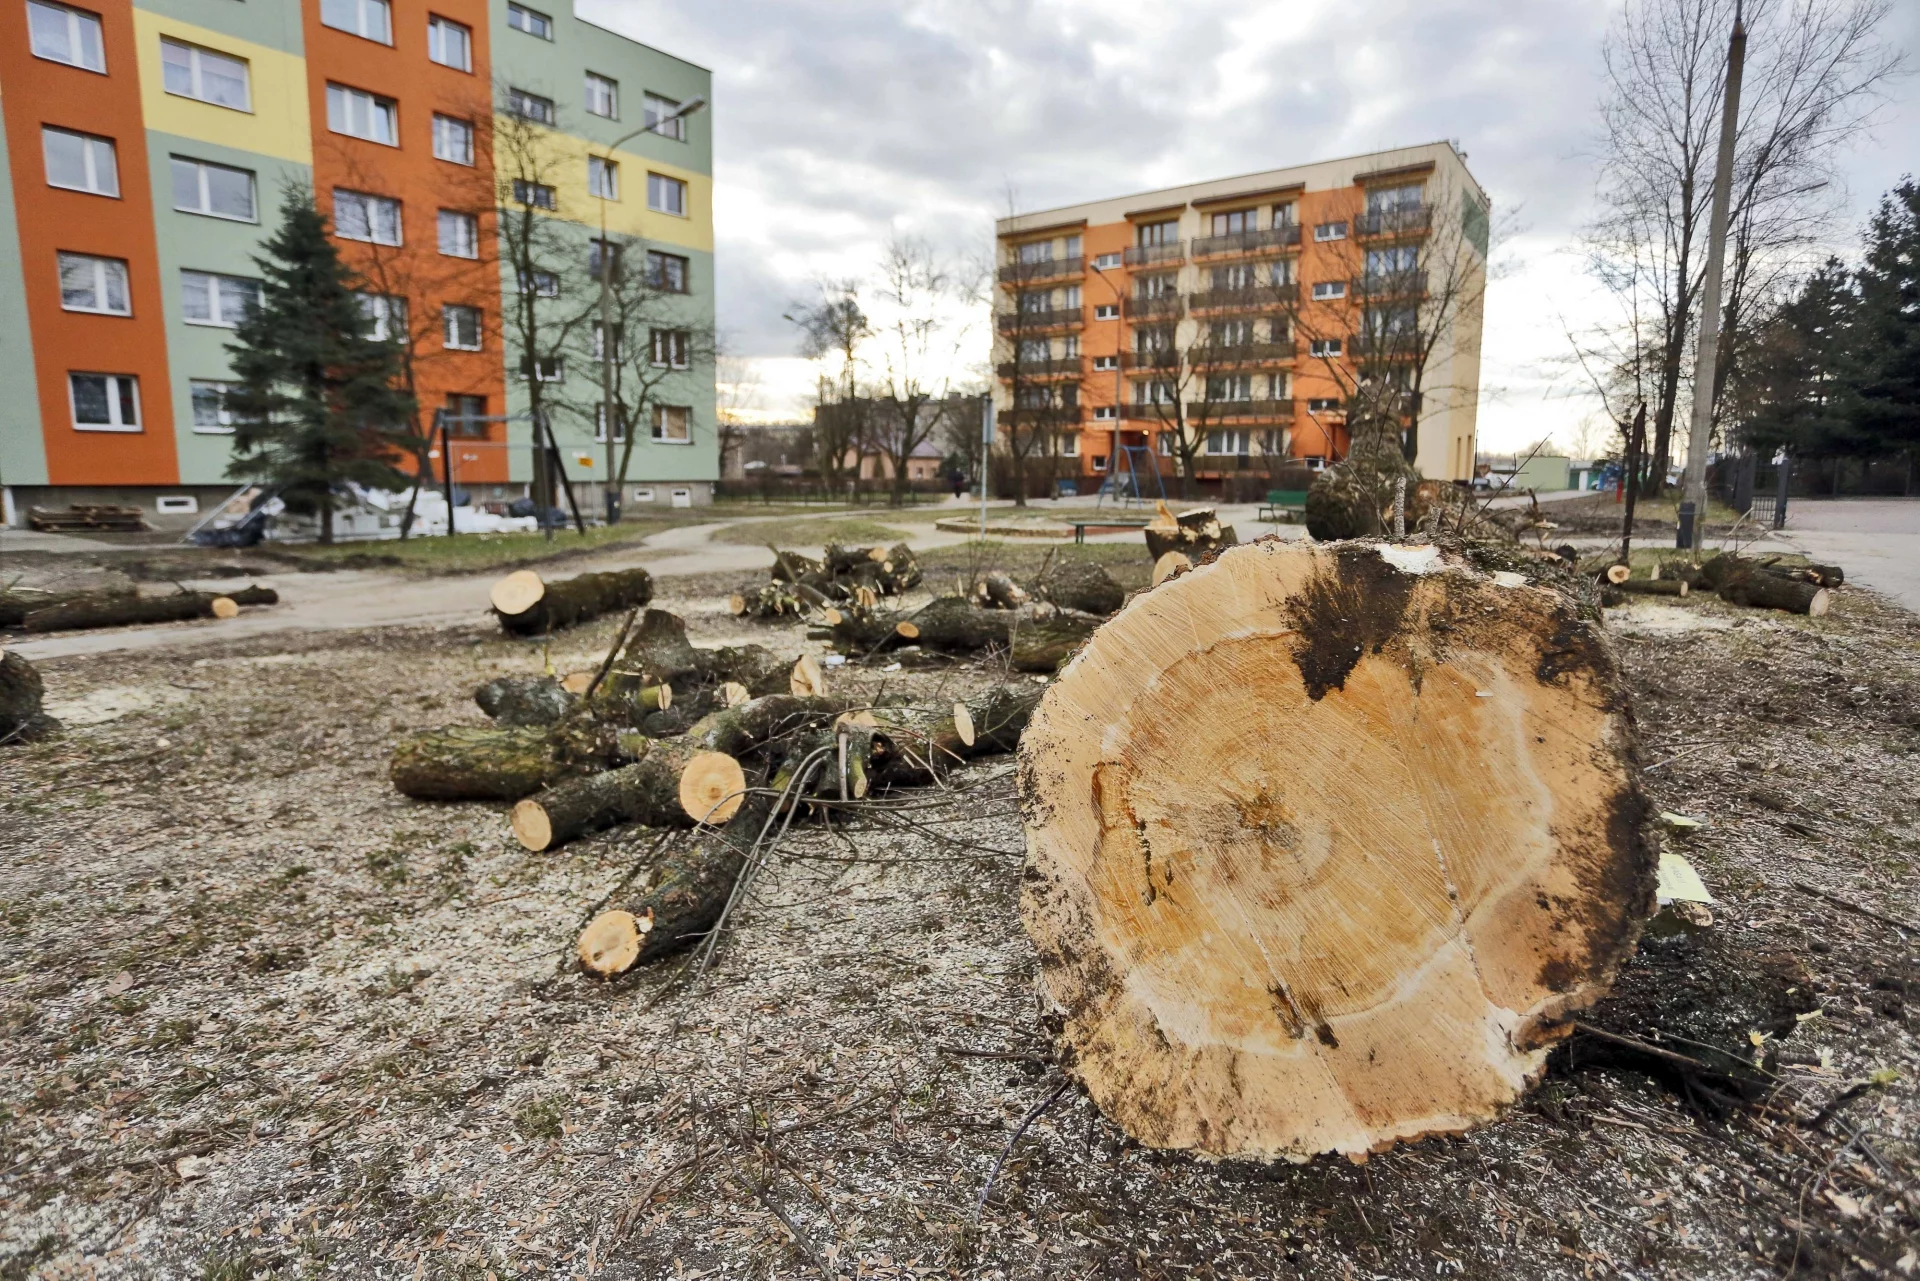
[81,517]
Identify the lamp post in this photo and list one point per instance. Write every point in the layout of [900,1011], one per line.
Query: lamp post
[609,419]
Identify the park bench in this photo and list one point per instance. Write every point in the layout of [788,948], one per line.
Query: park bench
[1281,504]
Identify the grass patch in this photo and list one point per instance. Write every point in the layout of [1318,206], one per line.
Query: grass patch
[811,535]
[474,553]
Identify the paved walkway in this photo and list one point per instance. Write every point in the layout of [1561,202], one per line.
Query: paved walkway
[1875,540]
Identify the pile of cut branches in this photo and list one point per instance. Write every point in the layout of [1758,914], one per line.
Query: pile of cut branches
[1757,582]
[799,584]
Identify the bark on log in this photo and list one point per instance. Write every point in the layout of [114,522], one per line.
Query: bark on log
[21,691]
[745,728]
[915,746]
[485,763]
[1325,844]
[794,567]
[528,605]
[1354,498]
[1042,644]
[951,623]
[1653,586]
[769,600]
[1081,586]
[17,603]
[862,631]
[674,785]
[999,591]
[121,610]
[525,700]
[1196,534]
[1771,591]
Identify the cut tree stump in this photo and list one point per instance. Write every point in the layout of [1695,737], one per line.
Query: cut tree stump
[674,785]
[1169,564]
[1081,586]
[21,691]
[121,610]
[1326,843]
[1197,534]
[528,605]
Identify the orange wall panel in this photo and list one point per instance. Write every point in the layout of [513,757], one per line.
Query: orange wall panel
[39,93]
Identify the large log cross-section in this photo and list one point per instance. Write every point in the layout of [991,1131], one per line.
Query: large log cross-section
[1325,845]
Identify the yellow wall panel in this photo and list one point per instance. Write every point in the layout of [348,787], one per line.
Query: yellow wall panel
[564,164]
[278,125]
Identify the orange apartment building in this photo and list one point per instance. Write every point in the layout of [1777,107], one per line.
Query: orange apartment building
[1225,327]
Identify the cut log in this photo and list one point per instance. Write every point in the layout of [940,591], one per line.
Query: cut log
[1771,591]
[487,763]
[733,693]
[525,700]
[807,678]
[1355,498]
[1653,586]
[1169,564]
[21,692]
[674,785]
[625,701]
[1081,586]
[742,730]
[1826,575]
[120,610]
[1197,534]
[1325,845]
[224,607]
[915,746]
[1043,644]
[16,603]
[951,623]
[528,605]
[769,600]
[1618,574]
[793,567]
[754,666]
[657,651]
[999,591]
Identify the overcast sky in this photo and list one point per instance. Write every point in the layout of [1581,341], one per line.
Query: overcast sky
[837,122]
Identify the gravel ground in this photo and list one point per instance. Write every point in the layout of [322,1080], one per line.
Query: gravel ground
[264,1017]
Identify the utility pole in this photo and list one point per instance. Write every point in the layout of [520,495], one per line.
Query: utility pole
[1693,508]
[986,455]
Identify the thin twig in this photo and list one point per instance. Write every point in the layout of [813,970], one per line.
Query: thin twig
[992,1175]
[1851,906]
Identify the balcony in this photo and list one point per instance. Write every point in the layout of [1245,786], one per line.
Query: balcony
[1151,255]
[1157,358]
[1384,346]
[1253,298]
[1164,306]
[1032,273]
[1033,322]
[1390,284]
[1064,417]
[1134,411]
[1252,353]
[1410,220]
[1219,411]
[1273,240]
[1069,366]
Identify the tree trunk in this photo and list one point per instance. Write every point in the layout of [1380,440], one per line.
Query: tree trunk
[528,605]
[951,623]
[1043,644]
[1653,586]
[524,700]
[999,591]
[21,720]
[1081,585]
[16,604]
[673,785]
[1325,847]
[914,746]
[484,763]
[122,610]
[1772,591]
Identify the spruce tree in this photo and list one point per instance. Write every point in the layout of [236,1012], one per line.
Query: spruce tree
[1884,371]
[319,402]
[1789,392]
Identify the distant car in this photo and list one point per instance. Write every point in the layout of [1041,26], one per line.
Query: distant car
[1494,481]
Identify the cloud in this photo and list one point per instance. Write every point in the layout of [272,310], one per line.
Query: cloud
[840,122]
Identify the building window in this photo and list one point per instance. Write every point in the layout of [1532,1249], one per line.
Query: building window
[531,21]
[1035,252]
[211,417]
[450,43]
[599,340]
[1323,405]
[210,299]
[453,140]
[459,234]
[603,96]
[105,402]
[188,71]
[1103,413]
[1067,445]
[359,216]
[80,161]
[61,34]
[1326,289]
[599,251]
[1098,462]
[1105,363]
[530,106]
[547,369]
[1229,442]
[666,195]
[603,178]
[660,118]
[386,316]
[368,19]
[94,284]
[671,424]
[665,272]
[670,347]
[1392,261]
[1107,311]
[1230,387]
[461,327]
[1102,262]
[544,284]
[1330,231]
[462,411]
[1158,233]
[1388,200]
[600,425]
[218,191]
[360,114]
[1283,216]
[1232,224]
[1324,347]
[537,194]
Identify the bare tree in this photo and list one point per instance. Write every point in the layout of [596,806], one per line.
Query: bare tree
[833,331]
[917,350]
[1039,366]
[1815,72]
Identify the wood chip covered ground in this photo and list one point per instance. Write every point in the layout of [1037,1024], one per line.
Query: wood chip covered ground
[265,1016]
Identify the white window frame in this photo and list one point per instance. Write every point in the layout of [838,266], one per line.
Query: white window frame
[543,196]
[93,147]
[600,426]
[370,203]
[449,313]
[609,90]
[1102,262]
[655,109]
[1106,413]
[453,129]
[518,100]
[77,21]
[549,279]
[114,420]
[388,312]
[437,29]
[203,183]
[197,57]
[603,178]
[1325,348]
[361,10]
[1327,231]
[468,234]
[101,268]
[530,22]
[547,369]
[659,414]
[176,504]
[344,102]
[1106,311]
[1323,405]
[1105,364]
[667,183]
[1329,290]
[223,426]
[217,317]
[1069,444]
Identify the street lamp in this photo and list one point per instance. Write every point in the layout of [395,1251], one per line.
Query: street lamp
[609,419]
